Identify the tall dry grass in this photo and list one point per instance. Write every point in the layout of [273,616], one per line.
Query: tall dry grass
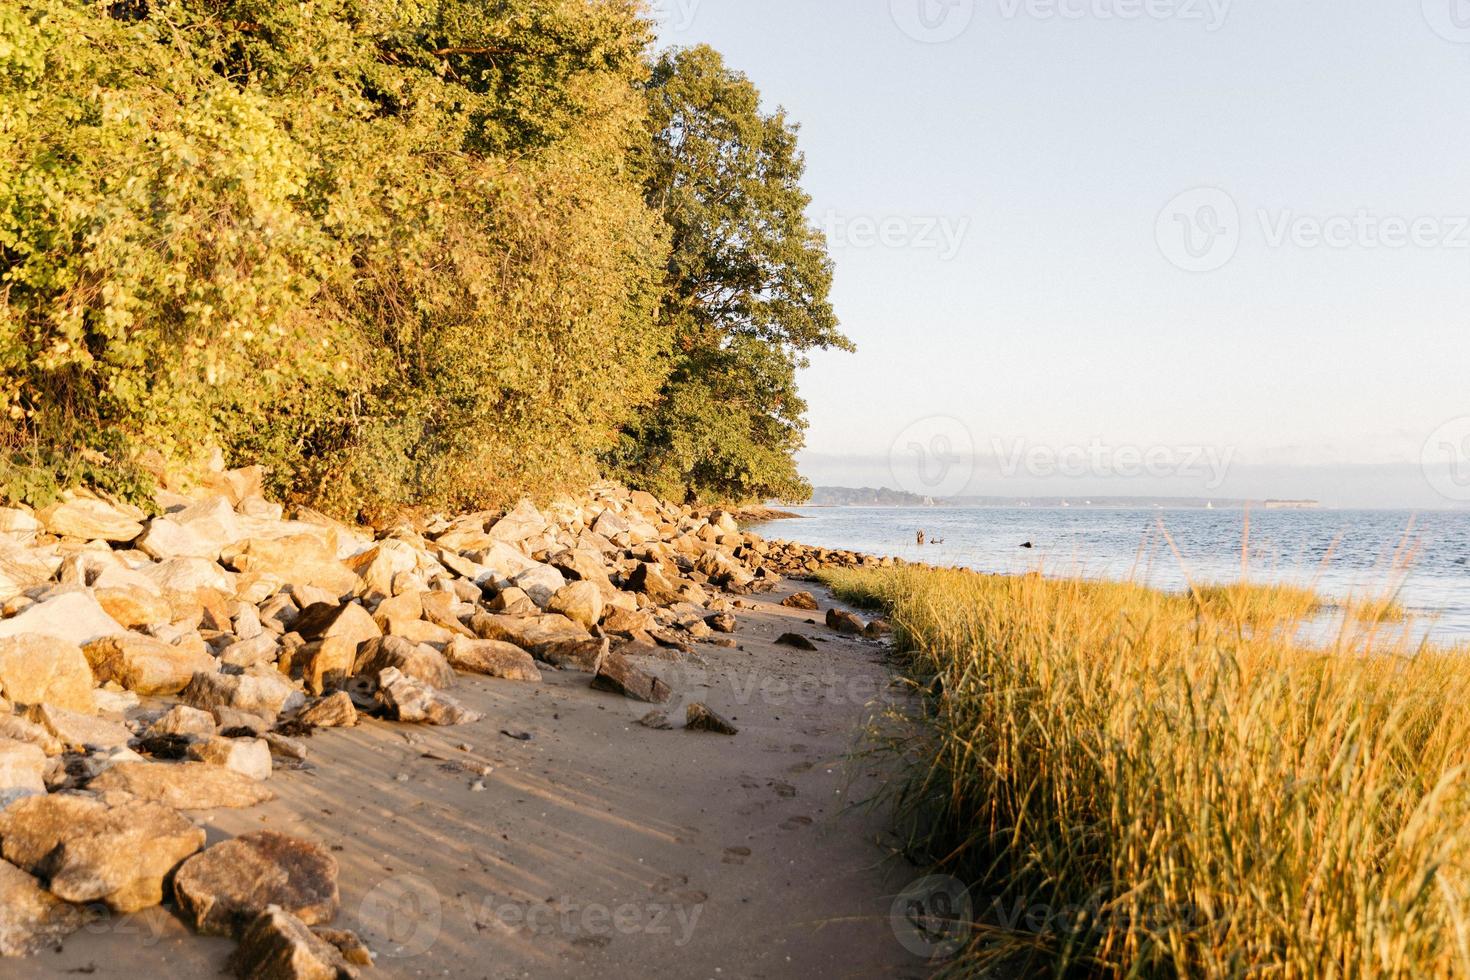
[1140,784]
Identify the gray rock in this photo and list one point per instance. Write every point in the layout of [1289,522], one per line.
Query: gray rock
[617,674]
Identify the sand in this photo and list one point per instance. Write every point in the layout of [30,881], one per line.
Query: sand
[598,847]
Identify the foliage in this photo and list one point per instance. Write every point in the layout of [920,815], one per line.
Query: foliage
[393,249]
[1162,789]
[748,283]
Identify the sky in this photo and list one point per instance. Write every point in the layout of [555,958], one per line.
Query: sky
[1194,247]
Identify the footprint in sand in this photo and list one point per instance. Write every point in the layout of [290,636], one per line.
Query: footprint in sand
[784,790]
[735,855]
[796,823]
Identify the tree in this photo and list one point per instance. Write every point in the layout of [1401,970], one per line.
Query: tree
[747,290]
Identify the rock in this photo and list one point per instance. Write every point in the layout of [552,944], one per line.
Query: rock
[188,576]
[246,621]
[845,622]
[166,538]
[346,620]
[73,616]
[20,730]
[76,731]
[278,946]
[657,720]
[581,565]
[616,674]
[22,569]
[353,949]
[220,891]
[877,628]
[22,771]
[399,609]
[37,668]
[88,850]
[721,622]
[144,665]
[261,649]
[183,785]
[266,694]
[540,582]
[441,609]
[650,579]
[293,750]
[247,756]
[700,717]
[377,566]
[91,519]
[279,612]
[133,606]
[183,720]
[800,600]
[31,918]
[514,602]
[19,524]
[334,711]
[795,640]
[581,602]
[415,660]
[324,664]
[523,521]
[303,559]
[493,658]
[411,700]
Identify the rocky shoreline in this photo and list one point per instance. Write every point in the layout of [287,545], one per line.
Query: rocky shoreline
[154,666]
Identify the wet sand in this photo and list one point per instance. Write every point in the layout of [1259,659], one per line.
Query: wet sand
[599,846]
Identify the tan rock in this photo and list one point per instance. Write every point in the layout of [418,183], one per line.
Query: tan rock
[411,700]
[220,891]
[89,850]
[22,568]
[36,668]
[617,674]
[581,602]
[17,728]
[91,519]
[418,661]
[492,658]
[31,918]
[183,720]
[347,620]
[278,946]
[442,609]
[407,607]
[76,731]
[266,694]
[22,771]
[333,711]
[247,756]
[260,649]
[72,615]
[324,664]
[421,631]
[183,785]
[133,606]
[144,665]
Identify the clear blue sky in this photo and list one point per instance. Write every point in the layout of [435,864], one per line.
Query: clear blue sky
[1029,284]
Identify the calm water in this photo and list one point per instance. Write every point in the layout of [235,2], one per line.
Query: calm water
[1423,557]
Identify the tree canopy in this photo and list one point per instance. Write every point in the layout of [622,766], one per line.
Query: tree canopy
[405,252]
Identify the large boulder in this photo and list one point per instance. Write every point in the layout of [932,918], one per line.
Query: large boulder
[22,771]
[31,918]
[183,785]
[346,620]
[523,521]
[220,891]
[117,851]
[279,946]
[333,711]
[144,665]
[307,558]
[188,576]
[414,660]
[247,756]
[37,668]
[23,568]
[492,658]
[71,615]
[133,606]
[266,694]
[91,519]
[618,674]
[581,602]
[650,579]
[409,699]
[76,731]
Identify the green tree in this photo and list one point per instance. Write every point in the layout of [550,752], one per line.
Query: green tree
[747,290]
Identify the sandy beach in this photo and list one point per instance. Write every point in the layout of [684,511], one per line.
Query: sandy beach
[598,844]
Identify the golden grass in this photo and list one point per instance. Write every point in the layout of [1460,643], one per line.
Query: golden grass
[1164,793]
